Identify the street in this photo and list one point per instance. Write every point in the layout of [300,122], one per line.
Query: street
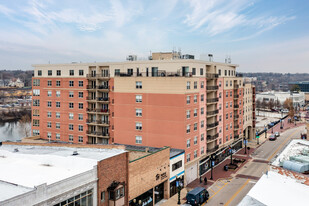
[231,191]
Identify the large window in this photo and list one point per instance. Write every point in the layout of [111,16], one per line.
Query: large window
[138,112]
[177,165]
[139,85]
[36,92]
[36,102]
[36,122]
[138,139]
[85,198]
[36,82]
[138,98]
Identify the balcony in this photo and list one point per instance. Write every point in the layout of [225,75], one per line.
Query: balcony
[105,123]
[103,87]
[236,116]
[236,136]
[91,133]
[211,76]
[236,96]
[91,110]
[236,106]
[159,73]
[103,111]
[213,137]
[236,86]
[103,76]
[90,99]
[103,134]
[90,121]
[211,113]
[213,100]
[211,88]
[91,87]
[103,99]
[213,149]
[91,76]
[212,125]
[236,127]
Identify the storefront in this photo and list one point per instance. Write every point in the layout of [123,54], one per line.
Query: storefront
[145,199]
[173,185]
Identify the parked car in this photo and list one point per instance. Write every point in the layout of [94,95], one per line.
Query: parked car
[272,137]
[277,134]
[197,196]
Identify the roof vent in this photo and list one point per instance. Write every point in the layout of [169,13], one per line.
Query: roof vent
[16,150]
[75,153]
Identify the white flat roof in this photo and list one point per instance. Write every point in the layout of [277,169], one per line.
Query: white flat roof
[35,165]
[277,190]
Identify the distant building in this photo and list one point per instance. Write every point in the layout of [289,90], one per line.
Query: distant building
[304,85]
[298,98]
[16,83]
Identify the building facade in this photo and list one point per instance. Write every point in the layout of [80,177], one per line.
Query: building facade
[153,103]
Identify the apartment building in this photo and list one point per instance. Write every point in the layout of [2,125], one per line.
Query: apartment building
[187,104]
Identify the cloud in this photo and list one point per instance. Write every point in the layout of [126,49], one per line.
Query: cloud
[215,17]
[5,10]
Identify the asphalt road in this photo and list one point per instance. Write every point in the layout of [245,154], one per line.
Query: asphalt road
[231,192]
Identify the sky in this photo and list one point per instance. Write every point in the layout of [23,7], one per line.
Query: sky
[258,35]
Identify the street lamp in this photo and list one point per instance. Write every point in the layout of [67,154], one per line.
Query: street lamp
[257,137]
[265,132]
[281,127]
[230,149]
[212,162]
[245,142]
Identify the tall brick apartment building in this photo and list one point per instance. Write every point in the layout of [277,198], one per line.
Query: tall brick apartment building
[199,106]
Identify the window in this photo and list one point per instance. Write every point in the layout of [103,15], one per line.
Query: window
[35,132]
[195,99]
[220,141]
[227,116]
[58,115]
[138,98]
[50,72]
[58,104]
[138,85]
[70,138]
[231,115]
[49,83]
[36,92]
[71,105]
[138,139]
[188,114]
[219,72]
[227,105]
[49,114]
[80,139]
[202,150]
[58,72]
[71,83]
[202,97]
[202,137]
[219,94]
[188,157]
[231,136]
[188,143]
[80,105]
[36,82]
[80,94]
[49,104]
[58,83]
[227,127]
[80,128]
[195,113]
[36,113]
[231,104]
[225,72]
[57,93]
[138,126]
[219,83]
[227,138]
[202,110]
[201,71]
[227,82]
[231,125]
[220,106]
[195,85]
[80,116]
[71,72]
[195,140]
[81,72]
[103,196]
[188,99]
[36,122]
[193,71]
[138,112]
[71,94]
[71,127]
[220,130]
[49,124]
[202,124]
[39,72]
[202,85]
[227,94]
[176,165]
[57,125]
[220,118]
[49,135]
[231,84]
[80,83]
[71,115]
[195,153]
[195,126]
[188,85]
[231,93]
[188,128]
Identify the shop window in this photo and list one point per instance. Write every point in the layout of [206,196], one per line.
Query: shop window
[176,165]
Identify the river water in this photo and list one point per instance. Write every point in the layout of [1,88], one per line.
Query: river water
[11,131]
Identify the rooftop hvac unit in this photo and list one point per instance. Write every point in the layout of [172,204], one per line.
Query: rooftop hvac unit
[132,58]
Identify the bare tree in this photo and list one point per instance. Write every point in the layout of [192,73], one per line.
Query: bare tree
[263,104]
[25,125]
[277,104]
[271,104]
[288,104]
[258,103]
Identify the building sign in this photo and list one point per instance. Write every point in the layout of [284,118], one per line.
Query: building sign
[163,176]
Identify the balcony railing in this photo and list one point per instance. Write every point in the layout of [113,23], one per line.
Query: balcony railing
[236,116]
[236,127]
[211,76]
[91,75]
[102,87]
[103,110]
[213,112]
[102,99]
[102,122]
[236,106]
[91,98]
[90,121]
[98,75]
[209,126]
[213,149]
[103,134]
[236,96]
[212,100]
[236,86]
[91,110]
[213,137]
[91,132]
[91,87]
[212,87]
[159,73]
[236,136]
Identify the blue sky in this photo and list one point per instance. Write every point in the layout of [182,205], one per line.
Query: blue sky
[259,35]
